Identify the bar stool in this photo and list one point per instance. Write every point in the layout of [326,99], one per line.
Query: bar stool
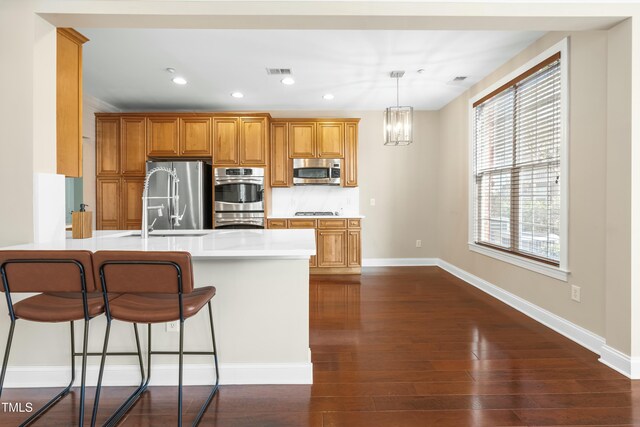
[155,287]
[66,277]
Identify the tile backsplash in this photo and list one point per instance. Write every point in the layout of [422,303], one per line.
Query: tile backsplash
[316,198]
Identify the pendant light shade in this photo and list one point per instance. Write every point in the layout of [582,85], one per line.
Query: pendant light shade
[398,120]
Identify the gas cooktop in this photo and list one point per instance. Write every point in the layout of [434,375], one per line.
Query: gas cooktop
[316,214]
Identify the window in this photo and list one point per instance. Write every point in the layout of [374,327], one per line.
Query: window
[517,162]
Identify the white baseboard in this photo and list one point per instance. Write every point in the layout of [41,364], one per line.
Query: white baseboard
[626,365]
[564,327]
[164,374]
[398,262]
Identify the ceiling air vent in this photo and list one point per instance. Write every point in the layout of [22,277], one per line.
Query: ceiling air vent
[279,71]
[459,78]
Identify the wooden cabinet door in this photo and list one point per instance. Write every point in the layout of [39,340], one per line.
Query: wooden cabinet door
[132,203]
[225,141]
[253,141]
[277,223]
[132,150]
[330,140]
[195,136]
[332,248]
[279,162]
[302,140]
[69,102]
[162,136]
[353,247]
[108,203]
[108,146]
[350,167]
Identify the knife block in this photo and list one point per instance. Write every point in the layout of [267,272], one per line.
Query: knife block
[81,225]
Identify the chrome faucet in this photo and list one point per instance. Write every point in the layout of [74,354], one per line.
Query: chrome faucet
[173,200]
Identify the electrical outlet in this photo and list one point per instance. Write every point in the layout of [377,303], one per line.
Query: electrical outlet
[575,293]
[418,243]
[372,202]
[173,326]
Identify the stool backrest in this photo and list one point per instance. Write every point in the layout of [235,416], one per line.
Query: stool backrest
[144,272]
[47,271]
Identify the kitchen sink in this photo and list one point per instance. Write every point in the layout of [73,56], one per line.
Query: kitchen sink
[170,234]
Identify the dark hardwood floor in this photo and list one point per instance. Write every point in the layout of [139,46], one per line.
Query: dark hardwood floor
[410,346]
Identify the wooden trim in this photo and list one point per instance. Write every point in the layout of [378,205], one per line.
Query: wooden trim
[73,35]
[312,119]
[335,270]
[520,254]
[213,114]
[518,79]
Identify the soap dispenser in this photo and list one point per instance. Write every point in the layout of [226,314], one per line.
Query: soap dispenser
[81,223]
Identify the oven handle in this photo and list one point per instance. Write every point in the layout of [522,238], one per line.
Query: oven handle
[247,221]
[244,180]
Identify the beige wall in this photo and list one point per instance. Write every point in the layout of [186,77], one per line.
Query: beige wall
[587,164]
[402,180]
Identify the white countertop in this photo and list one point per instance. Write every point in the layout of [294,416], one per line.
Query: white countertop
[214,244]
[293,216]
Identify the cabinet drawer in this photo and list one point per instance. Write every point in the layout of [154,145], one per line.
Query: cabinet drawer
[332,223]
[277,223]
[302,223]
[354,223]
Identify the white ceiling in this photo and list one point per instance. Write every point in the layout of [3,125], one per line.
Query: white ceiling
[126,67]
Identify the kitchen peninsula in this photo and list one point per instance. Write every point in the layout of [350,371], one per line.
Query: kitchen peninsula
[261,315]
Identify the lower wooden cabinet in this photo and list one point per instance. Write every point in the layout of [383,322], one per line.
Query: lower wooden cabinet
[332,248]
[119,203]
[338,243]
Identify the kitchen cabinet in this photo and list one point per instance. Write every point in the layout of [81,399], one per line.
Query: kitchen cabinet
[69,102]
[302,140]
[226,137]
[132,147]
[162,136]
[132,202]
[253,141]
[332,248]
[108,203]
[350,166]
[330,144]
[195,136]
[279,162]
[107,146]
[338,243]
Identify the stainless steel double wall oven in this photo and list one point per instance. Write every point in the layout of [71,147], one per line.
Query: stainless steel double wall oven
[239,197]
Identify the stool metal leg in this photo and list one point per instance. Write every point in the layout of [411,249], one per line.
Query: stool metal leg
[84,372]
[215,361]
[5,361]
[64,392]
[180,360]
[100,373]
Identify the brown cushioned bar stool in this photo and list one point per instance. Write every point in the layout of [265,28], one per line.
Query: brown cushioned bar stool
[69,293]
[155,287]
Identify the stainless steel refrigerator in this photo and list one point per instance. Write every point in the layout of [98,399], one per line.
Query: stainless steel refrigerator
[194,201]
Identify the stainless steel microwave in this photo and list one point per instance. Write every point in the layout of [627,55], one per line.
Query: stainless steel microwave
[316,171]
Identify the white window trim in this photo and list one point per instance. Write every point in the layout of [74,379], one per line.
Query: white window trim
[562,271]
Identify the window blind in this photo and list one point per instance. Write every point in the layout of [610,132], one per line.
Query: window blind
[517,134]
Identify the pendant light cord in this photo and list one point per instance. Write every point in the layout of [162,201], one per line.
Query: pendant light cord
[397,91]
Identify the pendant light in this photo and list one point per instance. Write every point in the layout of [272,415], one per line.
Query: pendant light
[398,121]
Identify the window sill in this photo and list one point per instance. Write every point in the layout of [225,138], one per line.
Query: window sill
[538,267]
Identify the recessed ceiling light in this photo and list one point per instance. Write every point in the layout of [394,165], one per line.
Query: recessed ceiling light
[288,81]
[328,96]
[237,95]
[179,80]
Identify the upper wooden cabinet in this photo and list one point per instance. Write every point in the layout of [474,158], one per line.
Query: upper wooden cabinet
[302,140]
[350,166]
[162,136]
[132,152]
[279,162]
[108,146]
[195,136]
[225,141]
[240,141]
[253,141]
[330,143]
[69,102]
